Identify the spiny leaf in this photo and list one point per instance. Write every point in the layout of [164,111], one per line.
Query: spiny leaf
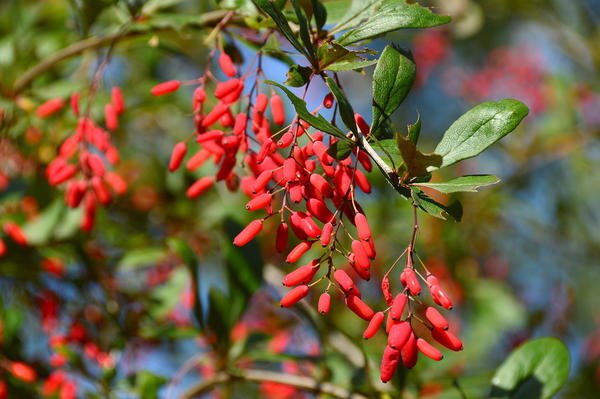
[434,208]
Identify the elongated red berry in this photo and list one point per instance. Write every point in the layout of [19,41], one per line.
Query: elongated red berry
[74,100]
[326,232]
[297,252]
[344,281]
[22,371]
[389,363]
[200,186]
[165,88]
[259,202]
[360,256]
[110,116]
[249,232]
[440,297]
[289,170]
[2,248]
[447,339]
[215,114]
[328,100]
[260,103]
[374,325]
[362,226]
[179,151]
[226,65]
[14,231]
[436,319]
[116,182]
[399,334]
[277,110]
[369,247]
[302,275]
[117,100]
[197,160]
[100,191]
[239,127]
[281,238]
[319,182]
[318,209]
[96,164]
[360,308]
[386,291]
[409,353]
[412,282]
[398,306]
[50,107]
[362,125]
[294,295]
[324,303]
[429,350]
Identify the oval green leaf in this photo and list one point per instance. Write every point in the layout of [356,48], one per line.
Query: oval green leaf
[535,370]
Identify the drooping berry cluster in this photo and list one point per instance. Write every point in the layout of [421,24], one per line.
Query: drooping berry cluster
[291,176]
[85,157]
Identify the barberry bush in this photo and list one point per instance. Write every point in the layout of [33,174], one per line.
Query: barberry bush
[240,198]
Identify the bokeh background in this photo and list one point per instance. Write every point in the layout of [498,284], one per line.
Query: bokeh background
[113,310]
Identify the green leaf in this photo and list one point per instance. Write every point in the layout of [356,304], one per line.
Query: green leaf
[316,121]
[434,208]
[320,13]
[388,16]
[387,148]
[270,9]
[351,65]
[140,258]
[41,229]
[414,130]
[393,77]
[346,111]
[468,183]
[357,12]
[334,57]
[336,9]
[304,30]
[479,128]
[537,369]
[148,384]
[341,149]
[415,161]
[298,75]
[188,257]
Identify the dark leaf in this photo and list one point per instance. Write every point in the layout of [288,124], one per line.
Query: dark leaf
[298,75]
[415,161]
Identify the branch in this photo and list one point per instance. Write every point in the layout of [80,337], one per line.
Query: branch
[207,19]
[304,383]
[390,174]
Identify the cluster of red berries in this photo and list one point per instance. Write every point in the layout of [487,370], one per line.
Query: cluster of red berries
[291,176]
[84,158]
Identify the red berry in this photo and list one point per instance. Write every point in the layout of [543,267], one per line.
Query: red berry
[374,325]
[281,238]
[409,353]
[447,339]
[436,319]
[165,87]
[200,186]
[302,275]
[398,306]
[428,350]
[362,125]
[294,295]
[14,231]
[249,232]
[324,303]
[344,281]
[362,226]
[360,308]
[259,202]
[277,110]
[297,252]
[389,363]
[50,107]
[328,100]
[227,65]
[399,334]
[117,100]
[177,155]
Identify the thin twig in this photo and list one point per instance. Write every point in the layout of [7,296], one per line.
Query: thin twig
[307,384]
[27,78]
